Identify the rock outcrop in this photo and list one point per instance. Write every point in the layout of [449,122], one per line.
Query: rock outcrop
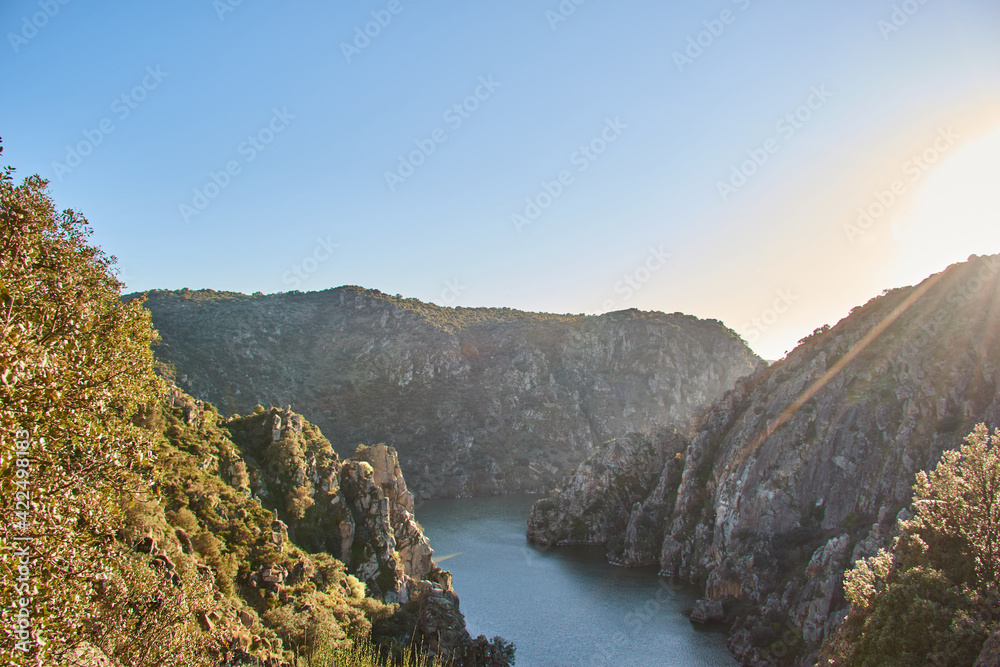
[601,503]
[708,611]
[308,546]
[476,401]
[805,466]
[414,548]
[358,510]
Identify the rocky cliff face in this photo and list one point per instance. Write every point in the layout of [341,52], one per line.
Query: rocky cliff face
[476,401]
[805,466]
[277,546]
[358,510]
[598,501]
[282,508]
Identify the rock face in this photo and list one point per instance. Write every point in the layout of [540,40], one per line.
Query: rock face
[268,490]
[358,510]
[476,401]
[602,501]
[805,465]
[414,548]
[708,611]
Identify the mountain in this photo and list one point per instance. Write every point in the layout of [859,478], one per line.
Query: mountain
[339,556]
[476,401]
[803,467]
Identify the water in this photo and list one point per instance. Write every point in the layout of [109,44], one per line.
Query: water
[564,607]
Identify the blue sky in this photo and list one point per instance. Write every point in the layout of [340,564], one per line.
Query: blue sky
[245,147]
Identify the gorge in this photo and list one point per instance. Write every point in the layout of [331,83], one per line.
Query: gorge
[802,468]
[476,401]
[668,442]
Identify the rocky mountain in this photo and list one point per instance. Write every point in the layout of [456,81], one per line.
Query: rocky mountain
[296,542]
[803,467]
[596,503]
[476,401]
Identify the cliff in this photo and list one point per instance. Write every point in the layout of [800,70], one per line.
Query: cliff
[358,510]
[476,401]
[304,551]
[805,465]
[598,501]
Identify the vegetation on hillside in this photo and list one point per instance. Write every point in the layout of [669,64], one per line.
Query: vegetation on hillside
[75,366]
[444,317]
[934,598]
[130,532]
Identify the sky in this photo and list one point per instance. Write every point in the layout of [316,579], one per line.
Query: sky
[767,164]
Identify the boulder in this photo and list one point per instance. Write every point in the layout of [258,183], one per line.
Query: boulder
[708,611]
[184,540]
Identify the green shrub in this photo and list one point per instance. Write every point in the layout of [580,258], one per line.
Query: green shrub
[932,600]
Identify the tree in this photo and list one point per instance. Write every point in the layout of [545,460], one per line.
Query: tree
[934,598]
[75,368]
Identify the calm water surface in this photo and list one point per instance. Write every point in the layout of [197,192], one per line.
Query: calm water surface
[565,607]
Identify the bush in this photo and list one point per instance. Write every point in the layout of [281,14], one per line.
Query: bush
[76,369]
[933,599]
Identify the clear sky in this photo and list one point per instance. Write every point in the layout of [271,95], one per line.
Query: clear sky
[703,157]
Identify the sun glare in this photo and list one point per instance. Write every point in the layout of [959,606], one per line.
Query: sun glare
[956,213]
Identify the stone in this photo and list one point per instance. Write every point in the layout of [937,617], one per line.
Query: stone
[990,655]
[206,623]
[272,575]
[146,545]
[163,561]
[184,540]
[708,611]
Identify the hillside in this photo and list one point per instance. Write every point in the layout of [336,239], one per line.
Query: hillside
[804,466]
[305,552]
[143,528]
[476,401]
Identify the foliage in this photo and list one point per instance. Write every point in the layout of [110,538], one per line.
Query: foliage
[934,598]
[75,366]
[138,617]
[144,545]
[233,533]
[366,654]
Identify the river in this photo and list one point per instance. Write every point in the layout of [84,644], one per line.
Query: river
[562,607]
